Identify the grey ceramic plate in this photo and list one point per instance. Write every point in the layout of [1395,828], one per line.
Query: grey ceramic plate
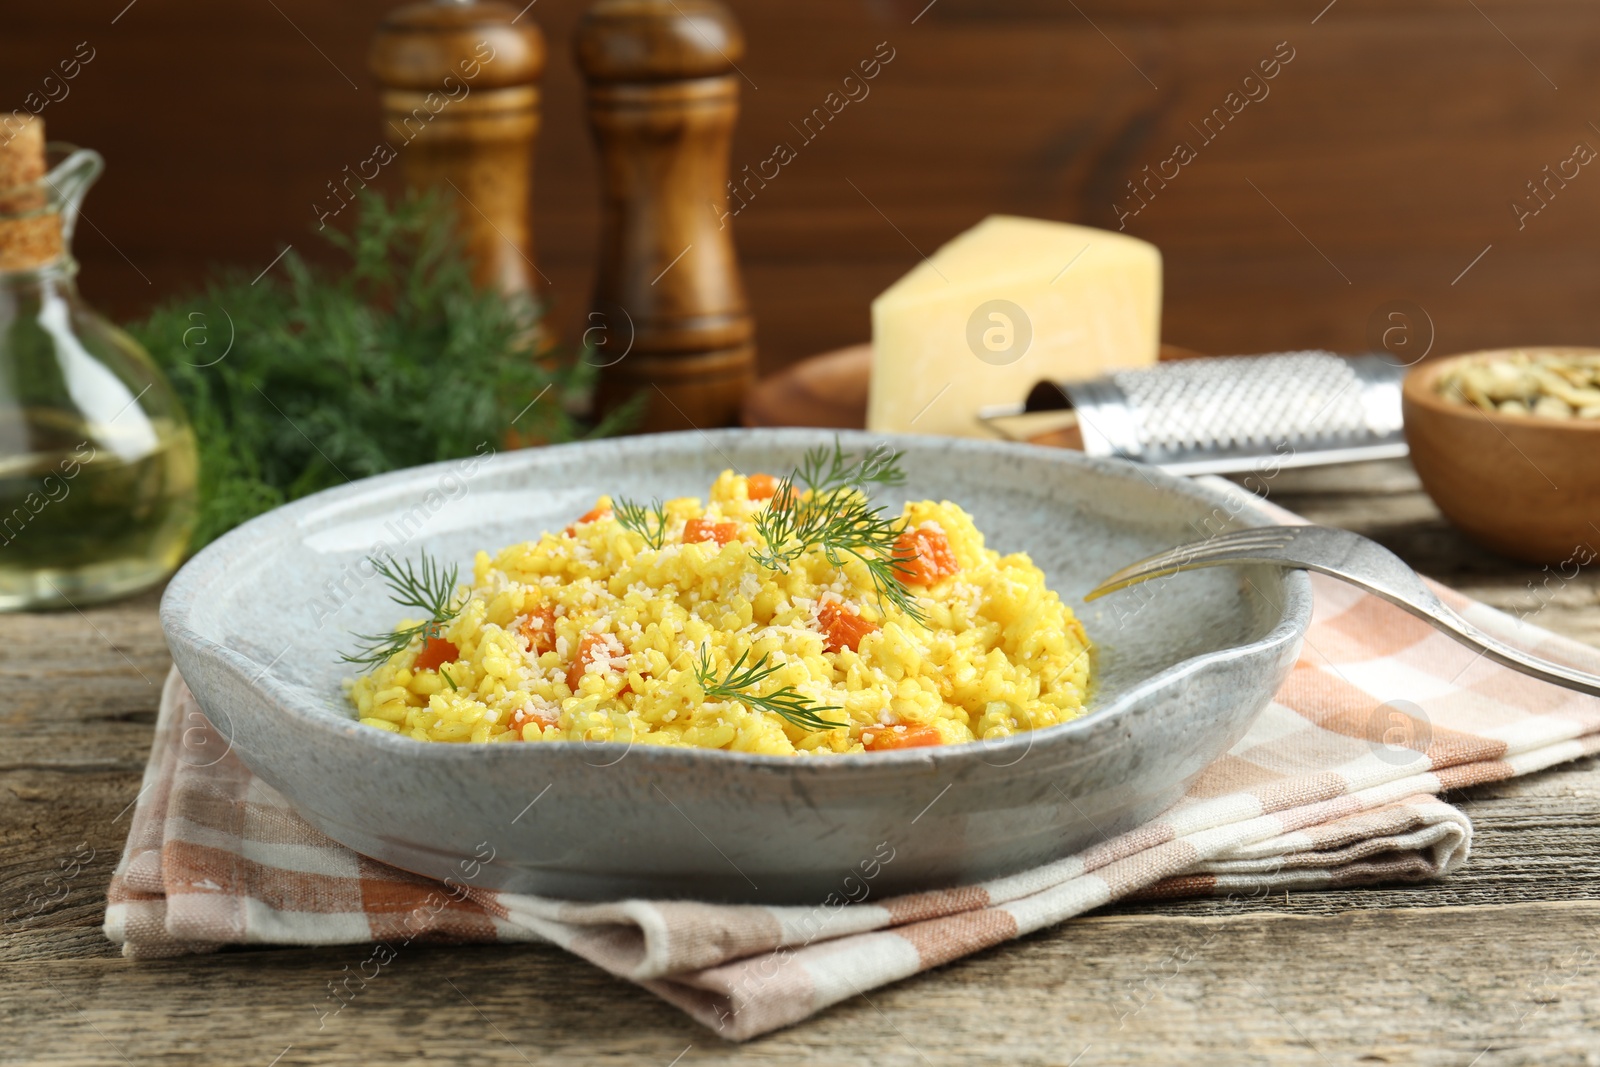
[1184,666]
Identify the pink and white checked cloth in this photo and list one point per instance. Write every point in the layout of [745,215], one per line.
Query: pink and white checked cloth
[1315,796]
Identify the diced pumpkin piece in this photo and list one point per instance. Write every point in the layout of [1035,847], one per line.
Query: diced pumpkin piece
[523,716]
[888,738]
[760,486]
[591,648]
[599,511]
[697,530]
[435,654]
[842,627]
[923,556]
[765,487]
[539,627]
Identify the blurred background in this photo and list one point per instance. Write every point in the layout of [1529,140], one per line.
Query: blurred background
[1381,166]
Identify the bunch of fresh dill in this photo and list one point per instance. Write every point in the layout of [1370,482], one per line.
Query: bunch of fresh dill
[308,377]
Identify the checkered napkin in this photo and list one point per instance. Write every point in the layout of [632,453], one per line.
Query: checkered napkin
[1332,787]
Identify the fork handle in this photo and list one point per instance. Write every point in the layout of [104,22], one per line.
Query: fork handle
[1451,623]
[1437,614]
[1350,558]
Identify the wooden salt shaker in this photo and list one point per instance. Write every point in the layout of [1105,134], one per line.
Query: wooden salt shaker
[669,318]
[461,112]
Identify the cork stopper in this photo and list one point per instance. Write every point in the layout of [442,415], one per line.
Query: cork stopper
[30,230]
[21,149]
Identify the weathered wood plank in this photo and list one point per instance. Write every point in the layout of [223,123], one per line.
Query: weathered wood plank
[82,686]
[1494,986]
[60,836]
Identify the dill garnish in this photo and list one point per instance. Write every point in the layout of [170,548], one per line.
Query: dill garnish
[837,518]
[649,522]
[428,587]
[880,465]
[788,702]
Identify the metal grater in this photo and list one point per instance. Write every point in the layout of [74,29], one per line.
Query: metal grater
[1236,413]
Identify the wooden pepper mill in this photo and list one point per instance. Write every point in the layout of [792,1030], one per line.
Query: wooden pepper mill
[669,318]
[461,113]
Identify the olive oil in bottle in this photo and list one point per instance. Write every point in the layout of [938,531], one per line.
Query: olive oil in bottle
[89,513]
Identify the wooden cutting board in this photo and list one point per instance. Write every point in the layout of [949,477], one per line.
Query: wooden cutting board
[830,390]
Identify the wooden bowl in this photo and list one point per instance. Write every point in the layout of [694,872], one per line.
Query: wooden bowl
[1523,485]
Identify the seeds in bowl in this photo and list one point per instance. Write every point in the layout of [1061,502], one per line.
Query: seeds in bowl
[783,616]
[1552,385]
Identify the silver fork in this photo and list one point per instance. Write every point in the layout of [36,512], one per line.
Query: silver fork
[1356,560]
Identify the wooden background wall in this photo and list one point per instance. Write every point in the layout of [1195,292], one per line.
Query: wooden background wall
[1381,166]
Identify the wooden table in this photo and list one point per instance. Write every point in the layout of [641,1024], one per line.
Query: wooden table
[1498,965]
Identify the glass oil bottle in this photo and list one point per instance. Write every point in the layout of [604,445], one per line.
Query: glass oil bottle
[98,466]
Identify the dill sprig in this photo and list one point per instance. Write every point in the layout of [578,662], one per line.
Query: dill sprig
[821,471]
[427,587]
[649,522]
[788,702]
[837,518]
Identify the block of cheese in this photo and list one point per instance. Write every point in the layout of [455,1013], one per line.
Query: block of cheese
[1008,303]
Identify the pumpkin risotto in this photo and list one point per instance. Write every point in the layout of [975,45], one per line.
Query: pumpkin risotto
[685,624]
